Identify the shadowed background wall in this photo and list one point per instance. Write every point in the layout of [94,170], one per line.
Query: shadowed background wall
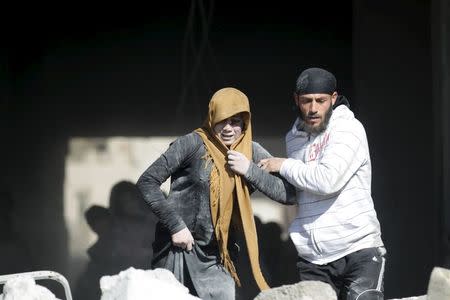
[153,72]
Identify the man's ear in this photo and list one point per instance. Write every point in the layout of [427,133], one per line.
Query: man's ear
[296,99]
[333,98]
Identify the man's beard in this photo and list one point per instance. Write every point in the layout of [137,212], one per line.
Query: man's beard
[322,126]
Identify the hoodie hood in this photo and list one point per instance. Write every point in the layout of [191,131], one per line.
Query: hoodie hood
[341,100]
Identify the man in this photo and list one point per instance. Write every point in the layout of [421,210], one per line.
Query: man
[336,231]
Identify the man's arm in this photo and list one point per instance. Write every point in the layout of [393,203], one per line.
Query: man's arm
[341,158]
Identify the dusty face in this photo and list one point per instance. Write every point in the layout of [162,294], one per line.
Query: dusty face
[315,110]
[229,130]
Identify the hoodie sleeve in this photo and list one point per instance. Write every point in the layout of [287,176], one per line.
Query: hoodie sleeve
[343,154]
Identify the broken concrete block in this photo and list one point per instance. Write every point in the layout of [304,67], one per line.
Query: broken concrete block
[439,284]
[304,290]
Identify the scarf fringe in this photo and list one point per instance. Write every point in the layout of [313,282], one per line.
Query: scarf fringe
[214,186]
[229,266]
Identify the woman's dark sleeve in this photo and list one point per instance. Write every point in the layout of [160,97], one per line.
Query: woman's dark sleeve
[270,184]
[160,170]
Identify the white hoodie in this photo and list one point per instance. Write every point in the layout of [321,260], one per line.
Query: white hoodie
[332,174]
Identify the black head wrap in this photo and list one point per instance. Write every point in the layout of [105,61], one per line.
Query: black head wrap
[315,81]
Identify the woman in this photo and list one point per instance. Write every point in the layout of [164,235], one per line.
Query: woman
[208,203]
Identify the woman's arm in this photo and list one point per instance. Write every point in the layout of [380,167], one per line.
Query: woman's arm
[270,184]
[159,171]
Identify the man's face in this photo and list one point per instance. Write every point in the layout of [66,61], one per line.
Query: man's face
[315,110]
[229,130]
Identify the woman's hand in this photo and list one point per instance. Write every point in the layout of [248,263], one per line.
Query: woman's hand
[237,162]
[183,239]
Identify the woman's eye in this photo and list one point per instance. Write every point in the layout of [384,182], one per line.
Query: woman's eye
[236,121]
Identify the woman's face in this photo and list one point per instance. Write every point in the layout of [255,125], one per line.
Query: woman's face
[229,130]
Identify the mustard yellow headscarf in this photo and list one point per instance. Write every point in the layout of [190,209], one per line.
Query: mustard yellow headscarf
[226,188]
